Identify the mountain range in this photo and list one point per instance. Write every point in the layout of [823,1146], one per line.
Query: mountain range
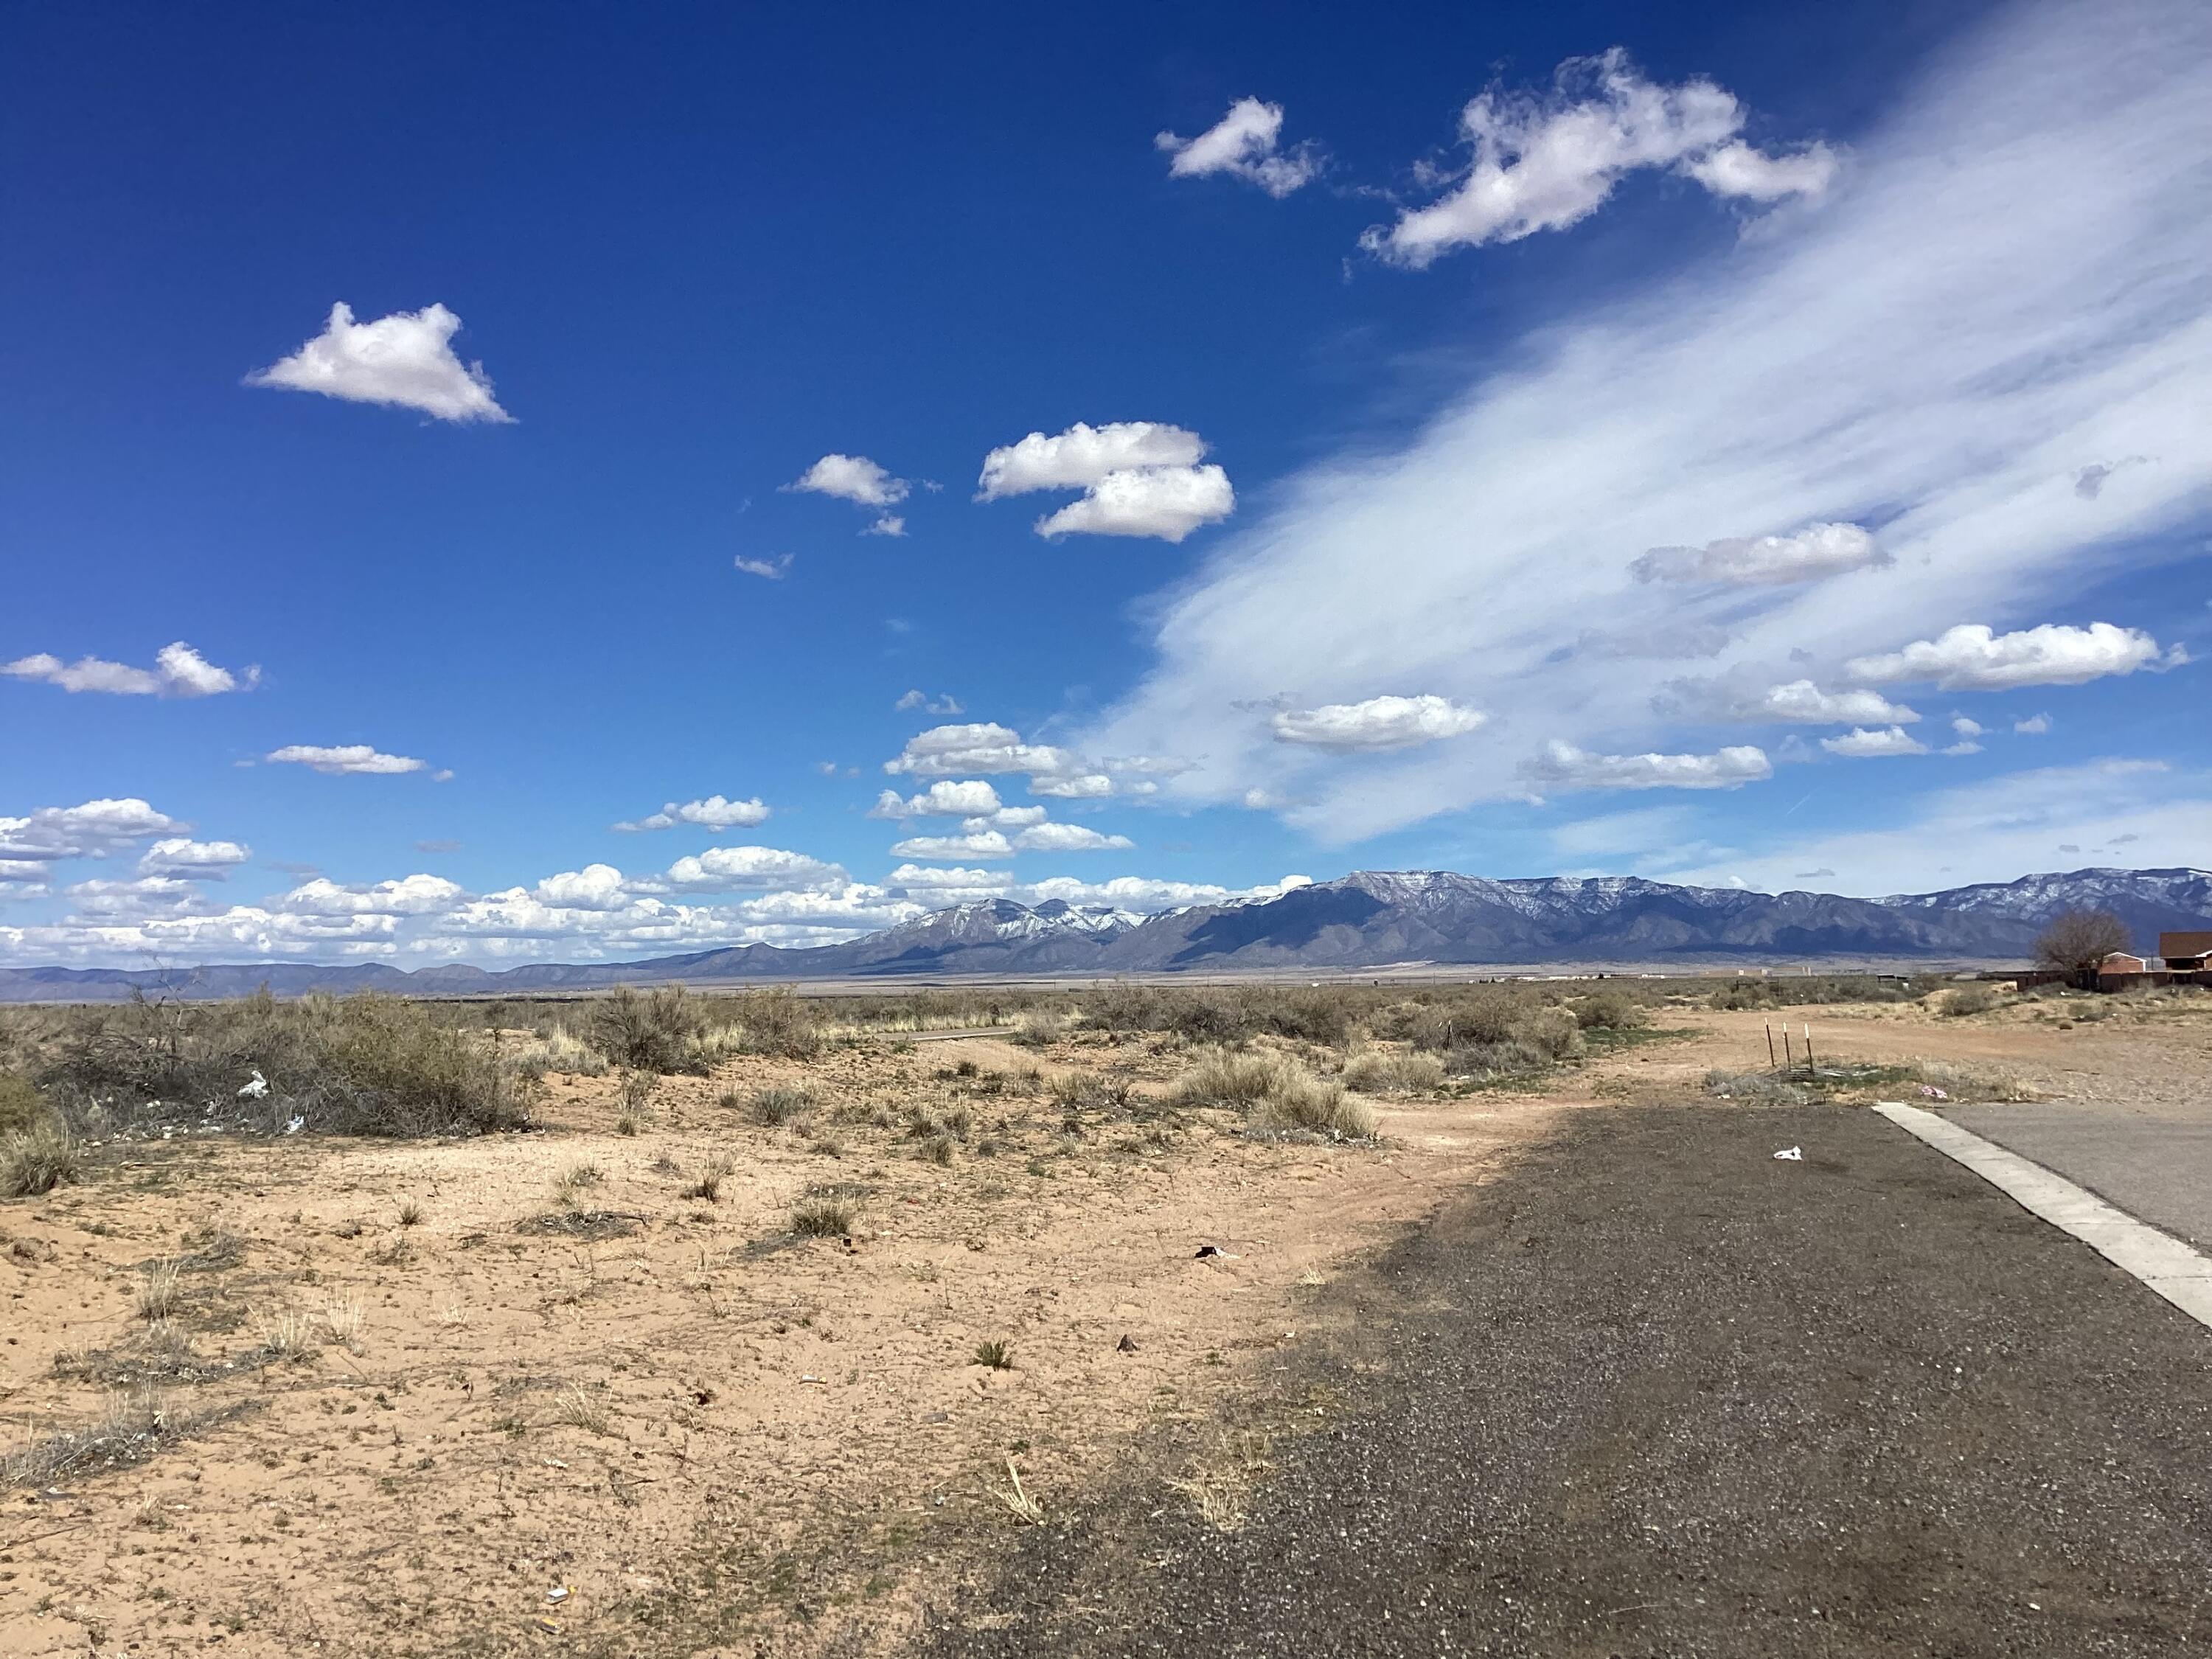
[1369,920]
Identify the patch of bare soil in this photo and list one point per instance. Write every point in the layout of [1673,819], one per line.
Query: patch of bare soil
[591,1391]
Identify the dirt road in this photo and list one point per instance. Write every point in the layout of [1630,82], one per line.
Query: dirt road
[1657,1393]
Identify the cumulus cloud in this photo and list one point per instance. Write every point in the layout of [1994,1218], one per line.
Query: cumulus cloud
[594,887]
[1805,703]
[1546,162]
[715,813]
[177,671]
[852,478]
[775,569]
[943,799]
[1967,728]
[2043,165]
[1245,143]
[969,844]
[2034,726]
[729,869]
[1045,837]
[1563,766]
[1803,555]
[92,829]
[1972,657]
[947,703]
[1379,723]
[405,361]
[176,855]
[353,759]
[1860,744]
[409,895]
[1138,478]
[979,746]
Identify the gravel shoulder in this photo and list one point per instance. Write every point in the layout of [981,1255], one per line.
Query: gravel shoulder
[1654,1392]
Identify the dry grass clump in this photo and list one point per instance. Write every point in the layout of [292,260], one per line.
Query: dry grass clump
[159,1291]
[1228,1015]
[1078,1091]
[1277,1094]
[827,1212]
[580,1410]
[634,1108]
[708,1186]
[558,1048]
[130,1430]
[342,1318]
[290,1336]
[1755,1088]
[37,1160]
[1039,1028]
[23,1108]
[569,1185]
[1375,1071]
[776,1022]
[1968,1000]
[774,1106]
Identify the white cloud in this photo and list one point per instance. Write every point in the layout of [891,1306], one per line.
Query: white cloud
[404,360]
[728,869]
[942,799]
[200,859]
[177,671]
[1067,838]
[853,478]
[979,746]
[1164,502]
[2044,168]
[355,759]
[594,887]
[1244,143]
[2034,726]
[1803,555]
[1544,163]
[1138,478]
[409,895]
[1563,766]
[714,813]
[1860,744]
[91,830]
[1972,657]
[890,524]
[944,704]
[1379,723]
[1804,703]
[1739,171]
[1074,786]
[1967,728]
[775,569]
[1991,830]
[1083,454]
[973,844]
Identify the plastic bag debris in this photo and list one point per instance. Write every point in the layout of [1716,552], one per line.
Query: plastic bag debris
[1791,1154]
[296,1125]
[1933,1092]
[256,1089]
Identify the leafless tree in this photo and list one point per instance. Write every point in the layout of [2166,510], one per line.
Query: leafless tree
[2078,941]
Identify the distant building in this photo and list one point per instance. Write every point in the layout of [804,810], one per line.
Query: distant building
[2186,952]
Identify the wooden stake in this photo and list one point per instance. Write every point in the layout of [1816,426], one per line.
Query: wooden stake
[1769,1045]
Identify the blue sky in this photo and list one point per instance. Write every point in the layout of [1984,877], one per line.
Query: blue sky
[1591,438]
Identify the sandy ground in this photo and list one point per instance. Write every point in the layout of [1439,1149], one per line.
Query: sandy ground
[702,1434]
[680,1429]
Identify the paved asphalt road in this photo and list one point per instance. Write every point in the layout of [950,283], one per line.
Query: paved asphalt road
[1656,1394]
[2157,1167]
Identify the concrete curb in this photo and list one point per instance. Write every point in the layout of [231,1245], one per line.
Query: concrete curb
[2166,1264]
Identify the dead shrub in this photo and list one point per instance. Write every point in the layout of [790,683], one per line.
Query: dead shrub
[1377,1073]
[777,1105]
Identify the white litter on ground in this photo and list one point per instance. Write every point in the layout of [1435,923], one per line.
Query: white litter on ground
[1792,1154]
[256,1089]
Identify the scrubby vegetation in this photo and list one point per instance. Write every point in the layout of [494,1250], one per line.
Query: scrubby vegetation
[359,1065]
